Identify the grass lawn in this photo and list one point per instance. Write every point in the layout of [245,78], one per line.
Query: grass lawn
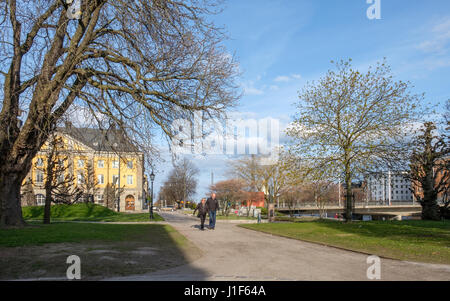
[104,249]
[85,212]
[422,241]
[234,217]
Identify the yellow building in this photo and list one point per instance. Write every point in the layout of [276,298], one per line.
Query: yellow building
[97,162]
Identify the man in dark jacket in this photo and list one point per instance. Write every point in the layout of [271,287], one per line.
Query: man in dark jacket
[213,205]
[202,210]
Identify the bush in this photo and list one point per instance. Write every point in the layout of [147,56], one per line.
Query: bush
[263,210]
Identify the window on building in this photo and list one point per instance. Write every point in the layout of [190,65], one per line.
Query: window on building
[130,164]
[99,198]
[39,176]
[100,179]
[80,163]
[115,179]
[40,199]
[60,178]
[40,162]
[100,163]
[115,164]
[61,162]
[130,180]
[80,178]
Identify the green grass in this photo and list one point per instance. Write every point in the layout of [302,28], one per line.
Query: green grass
[39,234]
[423,241]
[234,217]
[85,212]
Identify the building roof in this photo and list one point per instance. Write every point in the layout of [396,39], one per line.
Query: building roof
[111,140]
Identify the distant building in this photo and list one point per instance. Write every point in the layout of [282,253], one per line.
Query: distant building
[254,199]
[113,161]
[389,186]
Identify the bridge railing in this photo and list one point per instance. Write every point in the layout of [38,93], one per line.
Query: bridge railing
[342,205]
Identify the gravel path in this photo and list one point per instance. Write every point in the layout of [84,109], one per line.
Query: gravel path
[234,253]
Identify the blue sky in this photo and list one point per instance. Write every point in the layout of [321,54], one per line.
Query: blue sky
[280,45]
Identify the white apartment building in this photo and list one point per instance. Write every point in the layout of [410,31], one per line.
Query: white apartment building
[389,186]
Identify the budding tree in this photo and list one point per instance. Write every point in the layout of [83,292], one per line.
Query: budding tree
[349,123]
[137,64]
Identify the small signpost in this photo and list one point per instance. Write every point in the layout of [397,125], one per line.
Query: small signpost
[271,213]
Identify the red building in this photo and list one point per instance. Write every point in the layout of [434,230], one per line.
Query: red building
[256,199]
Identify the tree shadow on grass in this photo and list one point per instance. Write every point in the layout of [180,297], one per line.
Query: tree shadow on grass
[106,251]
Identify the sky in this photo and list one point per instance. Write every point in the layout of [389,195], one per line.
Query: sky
[281,45]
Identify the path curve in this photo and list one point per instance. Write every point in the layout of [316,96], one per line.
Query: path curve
[234,253]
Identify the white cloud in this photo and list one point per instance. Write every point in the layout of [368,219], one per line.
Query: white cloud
[287,78]
[282,78]
[439,40]
[250,89]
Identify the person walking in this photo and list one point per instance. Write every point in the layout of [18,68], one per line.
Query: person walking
[213,205]
[202,210]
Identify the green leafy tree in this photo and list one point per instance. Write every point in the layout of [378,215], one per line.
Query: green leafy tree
[350,122]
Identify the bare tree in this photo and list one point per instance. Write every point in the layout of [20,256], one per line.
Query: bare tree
[58,181]
[111,193]
[181,183]
[430,170]
[268,178]
[229,193]
[291,196]
[89,183]
[137,64]
[349,123]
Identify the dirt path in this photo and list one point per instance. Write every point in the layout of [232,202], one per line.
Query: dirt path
[234,253]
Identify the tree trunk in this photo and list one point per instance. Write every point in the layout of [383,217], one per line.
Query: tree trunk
[348,198]
[430,211]
[430,208]
[11,209]
[48,203]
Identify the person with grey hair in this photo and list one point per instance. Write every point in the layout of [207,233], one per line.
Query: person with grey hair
[213,205]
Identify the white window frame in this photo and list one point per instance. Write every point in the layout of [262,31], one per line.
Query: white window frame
[130,164]
[39,177]
[99,197]
[39,162]
[115,177]
[82,163]
[40,199]
[115,164]
[102,177]
[80,178]
[61,178]
[128,180]
[102,165]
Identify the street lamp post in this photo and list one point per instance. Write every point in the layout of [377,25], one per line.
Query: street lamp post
[152,178]
[118,191]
